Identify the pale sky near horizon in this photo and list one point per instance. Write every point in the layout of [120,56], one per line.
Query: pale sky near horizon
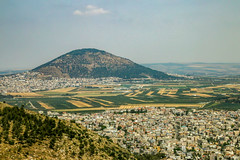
[33,32]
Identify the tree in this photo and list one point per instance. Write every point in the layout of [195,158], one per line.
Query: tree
[119,128]
[52,143]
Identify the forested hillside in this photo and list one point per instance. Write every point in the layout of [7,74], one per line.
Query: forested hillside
[26,135]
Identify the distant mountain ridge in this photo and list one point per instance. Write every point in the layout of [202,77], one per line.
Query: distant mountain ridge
[9,72]
[198,69]
[94,63]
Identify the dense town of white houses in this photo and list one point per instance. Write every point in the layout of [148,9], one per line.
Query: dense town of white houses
[178,133]
[34,81]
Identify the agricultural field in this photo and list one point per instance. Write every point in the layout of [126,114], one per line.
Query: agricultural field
[185,94]
[32,94]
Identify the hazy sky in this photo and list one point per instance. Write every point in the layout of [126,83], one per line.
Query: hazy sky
[33,32]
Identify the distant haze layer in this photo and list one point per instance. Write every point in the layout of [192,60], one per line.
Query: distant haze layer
[198,69]
[34,32]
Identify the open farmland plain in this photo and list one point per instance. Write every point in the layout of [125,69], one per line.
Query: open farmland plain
[184,94]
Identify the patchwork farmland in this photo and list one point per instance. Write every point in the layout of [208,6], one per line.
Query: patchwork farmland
[73,99]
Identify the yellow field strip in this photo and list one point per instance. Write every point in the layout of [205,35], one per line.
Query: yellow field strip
[194,89]
[131,106]
[204,90]
[99,86]
[81,109]
[94,100]
[87,101]
[198,95]
[98,92]
[109,102]
[140,92]
[150,93]
[63,89]
[171,95]
[160,105]
[161,91]
[173,91]
[226,86]
[79,103]
[95,95]
[44,105]
[140,100]
[30,94]
[129,95]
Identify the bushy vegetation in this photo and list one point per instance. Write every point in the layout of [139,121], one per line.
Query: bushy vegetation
[151,157]
[223,105]
[23,129]
[5,96]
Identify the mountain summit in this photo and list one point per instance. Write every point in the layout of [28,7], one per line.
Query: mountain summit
[94,63]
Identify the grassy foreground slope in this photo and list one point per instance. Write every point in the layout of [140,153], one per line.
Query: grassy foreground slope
[28,135]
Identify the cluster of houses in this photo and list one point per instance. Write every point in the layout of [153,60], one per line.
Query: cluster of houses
[35,81]
[178,133]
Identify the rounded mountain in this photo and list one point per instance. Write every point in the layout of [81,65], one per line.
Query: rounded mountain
[94,63]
